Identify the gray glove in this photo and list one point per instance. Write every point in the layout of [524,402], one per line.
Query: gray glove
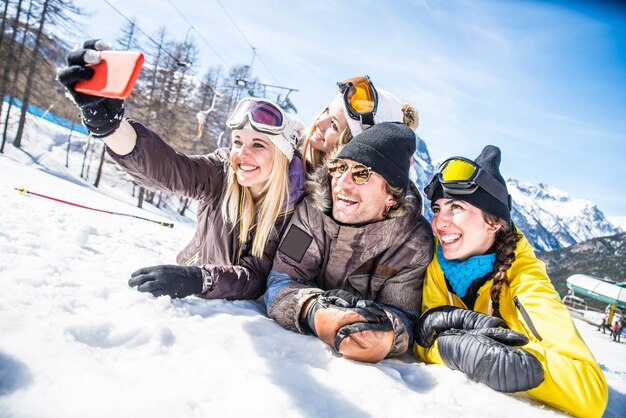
[172,280]
[489,356]
[443,318]
[101,116]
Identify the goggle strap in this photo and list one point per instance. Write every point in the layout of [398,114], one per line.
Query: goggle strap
[482,179]
[367,119]
[492,186]
[430,188]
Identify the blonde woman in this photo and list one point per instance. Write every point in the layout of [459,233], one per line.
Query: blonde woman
[356,107]
[246,193]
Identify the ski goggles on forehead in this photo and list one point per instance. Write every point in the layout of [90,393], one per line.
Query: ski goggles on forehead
[264,116]
[460,176]
[360,173]
[360,98]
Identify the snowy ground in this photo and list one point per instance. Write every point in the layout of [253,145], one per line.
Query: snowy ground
[76,341]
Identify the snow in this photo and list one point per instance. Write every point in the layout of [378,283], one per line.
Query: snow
[618,221]
[556,219]
[76,341]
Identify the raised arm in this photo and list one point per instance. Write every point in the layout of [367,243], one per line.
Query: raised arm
[140,152]
[157,166]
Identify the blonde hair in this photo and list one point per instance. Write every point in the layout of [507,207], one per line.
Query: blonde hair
[317,157]
[257,217]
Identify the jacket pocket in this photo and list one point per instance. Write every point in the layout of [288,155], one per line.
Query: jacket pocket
[527,320]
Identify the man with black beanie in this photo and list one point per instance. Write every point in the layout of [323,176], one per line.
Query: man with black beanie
[350,267]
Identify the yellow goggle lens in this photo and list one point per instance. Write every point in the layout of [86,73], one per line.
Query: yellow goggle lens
[457,170]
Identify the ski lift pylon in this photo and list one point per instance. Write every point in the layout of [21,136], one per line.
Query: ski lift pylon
[201,116]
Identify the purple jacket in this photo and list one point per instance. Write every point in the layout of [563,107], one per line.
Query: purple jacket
[215,246]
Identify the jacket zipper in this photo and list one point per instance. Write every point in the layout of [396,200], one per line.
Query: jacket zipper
[240,250]
[191,261]
[526,317]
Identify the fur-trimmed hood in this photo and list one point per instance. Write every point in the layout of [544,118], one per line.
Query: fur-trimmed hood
[318,187]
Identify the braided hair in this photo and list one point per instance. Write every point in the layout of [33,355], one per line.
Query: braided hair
[505,244]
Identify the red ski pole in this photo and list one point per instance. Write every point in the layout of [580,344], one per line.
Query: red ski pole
[27,192]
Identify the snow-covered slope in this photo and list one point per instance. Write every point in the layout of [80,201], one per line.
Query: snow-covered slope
[76,341]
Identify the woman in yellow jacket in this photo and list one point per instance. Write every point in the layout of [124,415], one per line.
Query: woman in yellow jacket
[489,307]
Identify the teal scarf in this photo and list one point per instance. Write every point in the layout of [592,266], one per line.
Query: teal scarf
[461,274]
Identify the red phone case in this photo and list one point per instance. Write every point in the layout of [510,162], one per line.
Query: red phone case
[114,76]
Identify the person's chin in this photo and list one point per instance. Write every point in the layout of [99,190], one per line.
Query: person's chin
[318,144]
[346,215]
[340,216]
[245,180]
[454,252]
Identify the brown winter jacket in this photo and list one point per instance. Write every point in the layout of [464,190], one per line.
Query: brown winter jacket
[383,261]
[215,245]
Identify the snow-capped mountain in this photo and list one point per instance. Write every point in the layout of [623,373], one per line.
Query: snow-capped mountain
[553,219]
[422,163]
[618,221]
[423,167]
[548,217]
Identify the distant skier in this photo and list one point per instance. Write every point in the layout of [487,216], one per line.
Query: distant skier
[605,319]
[616,330]
[602,325]
[489,307]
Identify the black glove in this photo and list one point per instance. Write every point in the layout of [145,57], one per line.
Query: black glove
[101,116]
[487,356]
[175,281]
[443,318]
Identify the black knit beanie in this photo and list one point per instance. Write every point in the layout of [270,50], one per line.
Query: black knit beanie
[385,147]
[488,160]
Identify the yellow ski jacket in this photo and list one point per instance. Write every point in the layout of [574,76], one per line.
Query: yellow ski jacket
[530,305]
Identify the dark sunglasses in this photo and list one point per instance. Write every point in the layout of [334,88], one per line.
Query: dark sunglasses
[360,174]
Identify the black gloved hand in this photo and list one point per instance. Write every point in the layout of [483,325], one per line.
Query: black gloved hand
[101,116]
[443,318]
[337,316]
[175,281]
[488,355]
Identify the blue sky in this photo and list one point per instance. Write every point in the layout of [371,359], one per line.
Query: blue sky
[543,80]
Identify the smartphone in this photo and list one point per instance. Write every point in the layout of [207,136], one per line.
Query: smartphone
[114,76]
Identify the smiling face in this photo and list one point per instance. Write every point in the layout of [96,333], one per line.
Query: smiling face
[329,126]
[252,159]
[359,203]
[461,229]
